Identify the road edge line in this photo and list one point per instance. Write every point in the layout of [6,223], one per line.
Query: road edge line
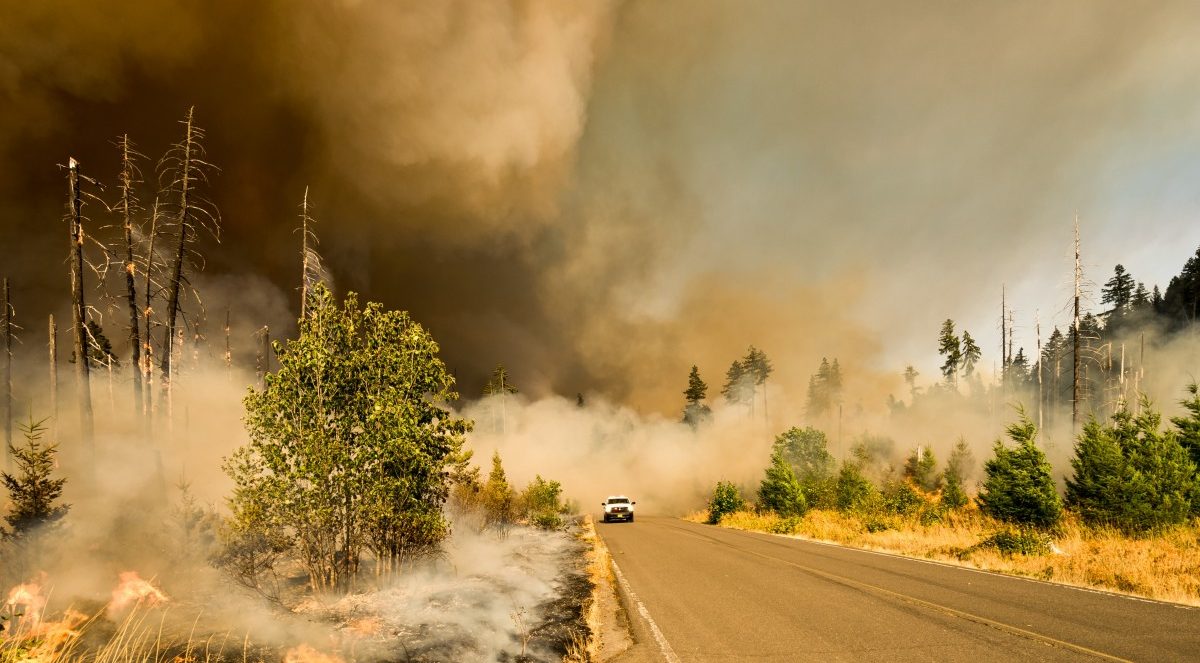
[664,647]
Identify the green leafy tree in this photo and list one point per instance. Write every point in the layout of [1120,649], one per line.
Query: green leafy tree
[806,450]
[1019,487]
[1131,475]
[921,468]
[542,503]
[950,347]
[726,499]
[780,490]
[695,411]
[350,442]
[33,491]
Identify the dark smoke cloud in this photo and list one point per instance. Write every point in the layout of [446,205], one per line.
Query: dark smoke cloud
[601,194]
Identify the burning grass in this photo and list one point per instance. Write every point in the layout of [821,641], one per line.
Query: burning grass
[1164,567]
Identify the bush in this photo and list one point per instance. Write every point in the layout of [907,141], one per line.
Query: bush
[1131,475]
[1019,487]
[900,498]
[780,490]
[806,450]
[542,504]
[726,499]
[932,515]
[789,525]
[1018,542]
[853,491]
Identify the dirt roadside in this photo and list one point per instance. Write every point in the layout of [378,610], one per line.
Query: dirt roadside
[606,616]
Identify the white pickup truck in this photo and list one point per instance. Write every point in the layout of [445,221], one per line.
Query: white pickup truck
[617,507]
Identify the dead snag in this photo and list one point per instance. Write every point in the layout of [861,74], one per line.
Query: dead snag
[78,306]
[6,397]
[127,206]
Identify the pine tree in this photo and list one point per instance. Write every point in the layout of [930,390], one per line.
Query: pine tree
[33,492]
[498,498]
[780,491]
[958,468]
[1189,426]
[1132,475]
[1019,487]
[970,354]
[739,385]
[1118,291]
[950,347]
[910,378]
[921,468]
[695,411]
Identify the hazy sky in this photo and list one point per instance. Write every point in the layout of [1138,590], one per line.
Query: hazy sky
[601,194]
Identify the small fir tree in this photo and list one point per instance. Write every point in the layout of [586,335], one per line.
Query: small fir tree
[1019,487]
[726,499]
[780,491]
[921,469]
[695,411]
[33,491]
[1131,475]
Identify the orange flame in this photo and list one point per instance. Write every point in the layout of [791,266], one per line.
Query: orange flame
[133,589]
[306,654]
[27,599]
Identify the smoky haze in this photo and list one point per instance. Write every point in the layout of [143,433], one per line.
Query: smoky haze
[601,194]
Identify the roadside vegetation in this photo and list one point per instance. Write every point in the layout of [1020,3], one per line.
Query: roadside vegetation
[1129,520]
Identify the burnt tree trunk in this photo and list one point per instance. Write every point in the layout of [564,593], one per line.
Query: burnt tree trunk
[79,308]
[6,375]
[147,366]
[54,374]
[175,282]
[1075,324]
[126,204]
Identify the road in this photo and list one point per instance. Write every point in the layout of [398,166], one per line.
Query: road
[704,593]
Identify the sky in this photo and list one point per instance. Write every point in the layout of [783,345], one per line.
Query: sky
[600,194]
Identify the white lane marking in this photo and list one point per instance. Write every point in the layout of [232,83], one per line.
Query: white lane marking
[663,645]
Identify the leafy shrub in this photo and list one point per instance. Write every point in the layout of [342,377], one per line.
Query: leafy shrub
[953,495]
[932,515]
[875,524]
[1019,487]
[900,498]
[1018,542]
[780,490]
[542,503]
[789,525]
[726,499]
[854,491]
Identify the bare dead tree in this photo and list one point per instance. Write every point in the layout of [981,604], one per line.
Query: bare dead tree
[312,267]
[263,359]
[53,373]
[78,306]
[147,366]
[1004,335]
[127,206]
[6,390]
[1075,346]
[185,169]
[228,348]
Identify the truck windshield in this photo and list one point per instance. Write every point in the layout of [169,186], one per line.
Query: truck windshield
[617,500]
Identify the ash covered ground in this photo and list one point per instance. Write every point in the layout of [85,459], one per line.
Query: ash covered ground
[489,597]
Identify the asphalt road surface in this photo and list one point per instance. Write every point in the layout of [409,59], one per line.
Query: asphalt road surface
[703,593]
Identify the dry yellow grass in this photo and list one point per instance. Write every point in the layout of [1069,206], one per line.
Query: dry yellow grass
[1164,567]
[599,571]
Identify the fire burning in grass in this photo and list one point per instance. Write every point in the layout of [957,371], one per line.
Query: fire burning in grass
[306,654]
[133,589]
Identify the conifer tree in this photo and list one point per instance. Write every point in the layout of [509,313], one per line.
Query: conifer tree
[695,411]
[780,491]
[1019,487]
[739,385]
[1131,475]
[950,347]
[970,354]
[921,468]
[1189,426]
[32,490]
[1118,291]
